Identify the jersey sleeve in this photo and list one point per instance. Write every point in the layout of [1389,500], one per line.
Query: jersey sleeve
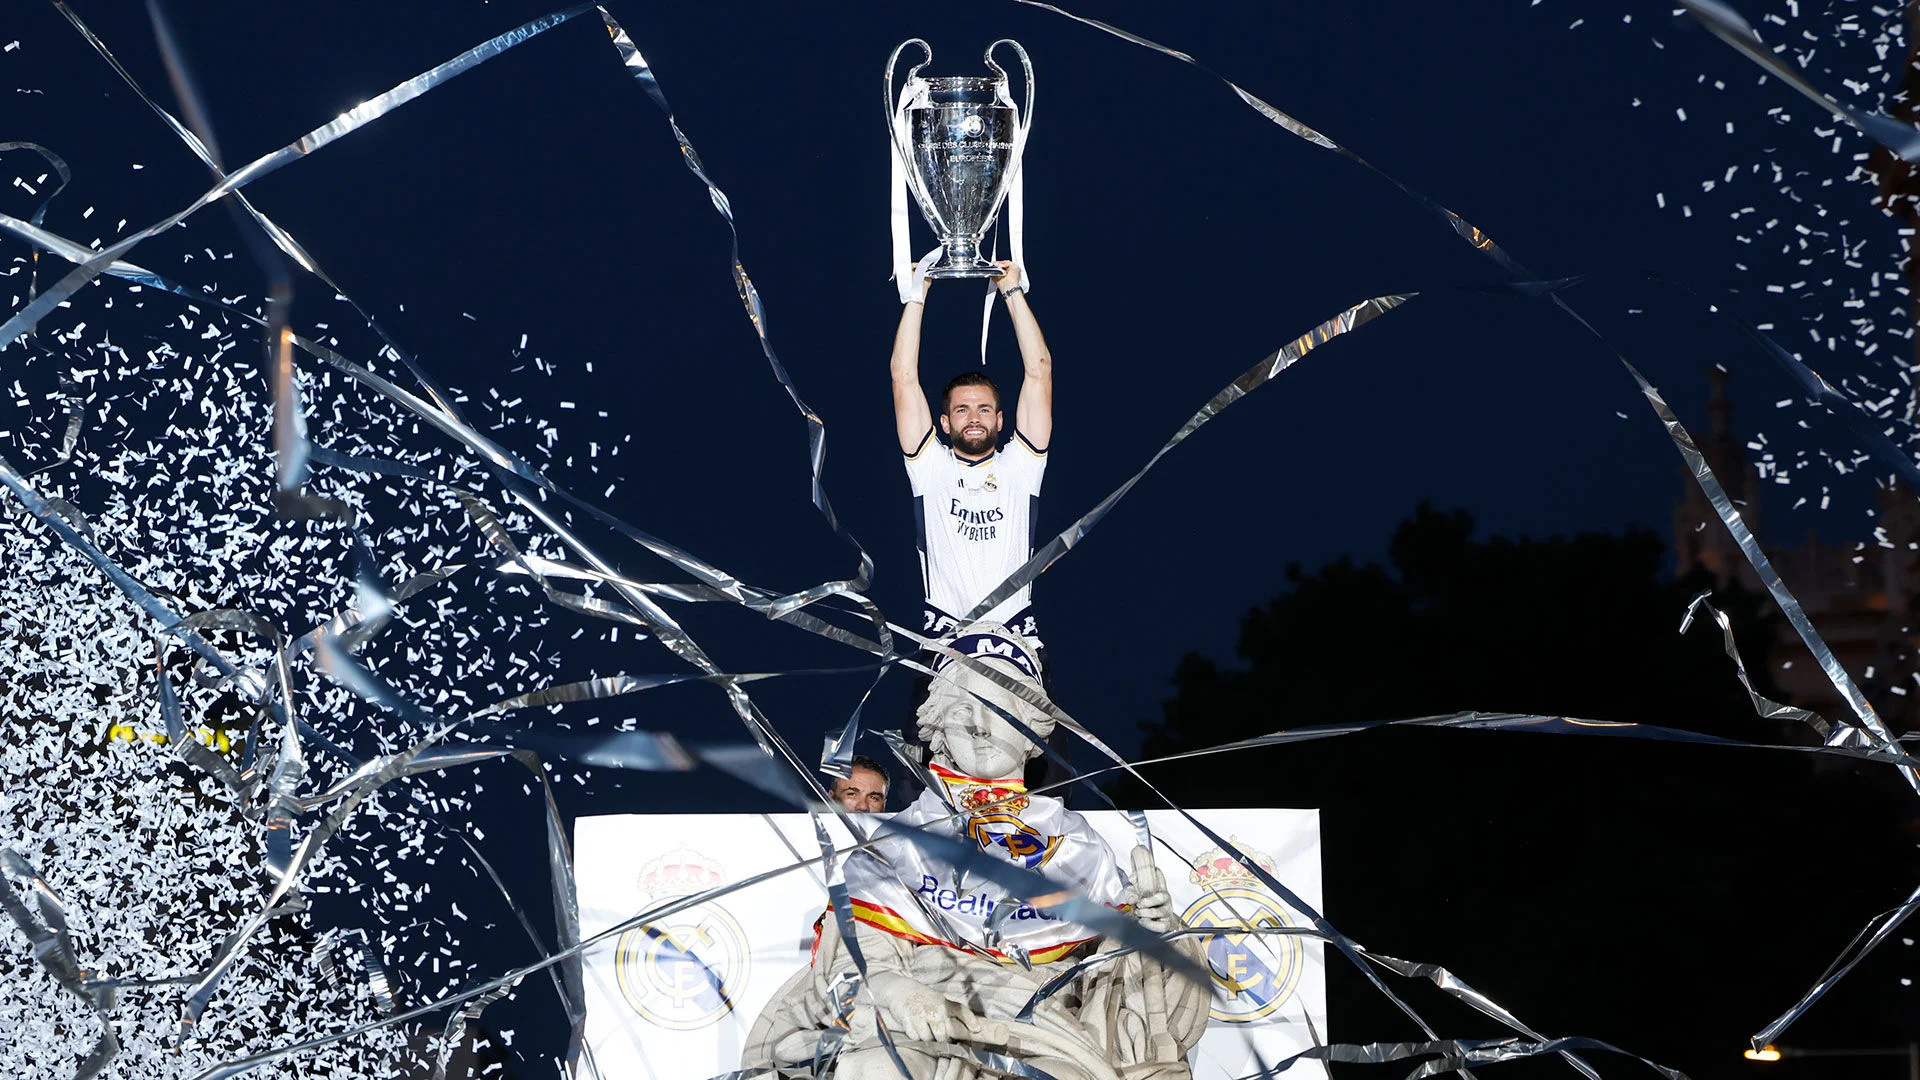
[921,463]
[1028,464]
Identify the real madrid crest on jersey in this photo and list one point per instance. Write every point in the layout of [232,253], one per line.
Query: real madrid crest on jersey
[1255,973]
[995,824]
[682,972]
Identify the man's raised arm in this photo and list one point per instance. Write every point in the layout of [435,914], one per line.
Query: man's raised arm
[1034,420]
[911,417]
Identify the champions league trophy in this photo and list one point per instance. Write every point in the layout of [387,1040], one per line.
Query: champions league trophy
[950,963]
[957,142]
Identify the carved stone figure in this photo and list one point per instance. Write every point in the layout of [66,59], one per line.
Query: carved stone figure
[951,962]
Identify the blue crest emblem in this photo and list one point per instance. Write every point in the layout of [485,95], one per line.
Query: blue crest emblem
[1018,842]
[1253,973]
[682,973]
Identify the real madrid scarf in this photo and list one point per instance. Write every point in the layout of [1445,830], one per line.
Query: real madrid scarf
[1032,831]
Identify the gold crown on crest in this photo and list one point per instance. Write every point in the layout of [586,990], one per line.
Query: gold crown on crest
[680,872]
[1216,867]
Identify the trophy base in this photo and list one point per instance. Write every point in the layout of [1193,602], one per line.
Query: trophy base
[978,270]
[963,260]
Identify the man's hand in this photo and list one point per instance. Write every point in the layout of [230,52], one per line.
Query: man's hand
[920,278]
[1152,904]
[911,1008]
[1009,278]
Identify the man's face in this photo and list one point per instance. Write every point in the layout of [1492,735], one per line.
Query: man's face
[864,792]
[972,420]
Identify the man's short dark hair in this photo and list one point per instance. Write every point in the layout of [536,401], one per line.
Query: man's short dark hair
[862,761]
[968,378]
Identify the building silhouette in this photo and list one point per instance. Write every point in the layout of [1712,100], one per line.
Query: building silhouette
[1859,593]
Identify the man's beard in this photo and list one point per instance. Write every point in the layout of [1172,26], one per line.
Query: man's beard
[979,444]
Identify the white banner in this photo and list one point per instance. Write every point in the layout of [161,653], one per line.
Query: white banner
[676,1002]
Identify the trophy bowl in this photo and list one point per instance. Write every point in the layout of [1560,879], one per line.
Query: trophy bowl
[960,138]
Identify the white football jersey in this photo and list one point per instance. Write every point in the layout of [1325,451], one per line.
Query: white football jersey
[975,521]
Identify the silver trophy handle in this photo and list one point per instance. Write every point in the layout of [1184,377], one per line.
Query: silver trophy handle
[1026,109]
[886,92]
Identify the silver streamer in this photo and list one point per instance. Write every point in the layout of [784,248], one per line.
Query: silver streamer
[1870,936]
[1536,723]
[1766,707]
[1253,379]
[1456,1055]
[346,123]
[456,1029]
[842,907]
[566,910]
[43,919]
[1728,26]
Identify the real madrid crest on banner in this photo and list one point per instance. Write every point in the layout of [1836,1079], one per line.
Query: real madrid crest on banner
[1255,973]
[683,971]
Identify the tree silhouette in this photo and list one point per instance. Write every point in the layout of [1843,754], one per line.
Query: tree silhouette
[1670,898]
[1583,627]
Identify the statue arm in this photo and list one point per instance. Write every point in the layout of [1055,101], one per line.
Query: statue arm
[789,1027]
[1184,1003]
[881,951]
[1189,1003]
[912,1009]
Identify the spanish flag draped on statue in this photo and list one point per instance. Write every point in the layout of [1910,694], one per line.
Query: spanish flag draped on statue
[907,893]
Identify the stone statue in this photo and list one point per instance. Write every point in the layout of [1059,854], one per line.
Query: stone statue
[944,954]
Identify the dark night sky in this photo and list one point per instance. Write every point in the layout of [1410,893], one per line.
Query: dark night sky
[1174,236]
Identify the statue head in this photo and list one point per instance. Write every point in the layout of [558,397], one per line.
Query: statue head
[962,731]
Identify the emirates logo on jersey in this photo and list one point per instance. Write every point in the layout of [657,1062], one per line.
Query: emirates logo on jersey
[976,524]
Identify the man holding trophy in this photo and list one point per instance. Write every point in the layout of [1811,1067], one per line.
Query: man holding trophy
[957,145]
[974,501]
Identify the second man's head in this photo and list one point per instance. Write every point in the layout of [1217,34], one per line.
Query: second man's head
[864,791]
